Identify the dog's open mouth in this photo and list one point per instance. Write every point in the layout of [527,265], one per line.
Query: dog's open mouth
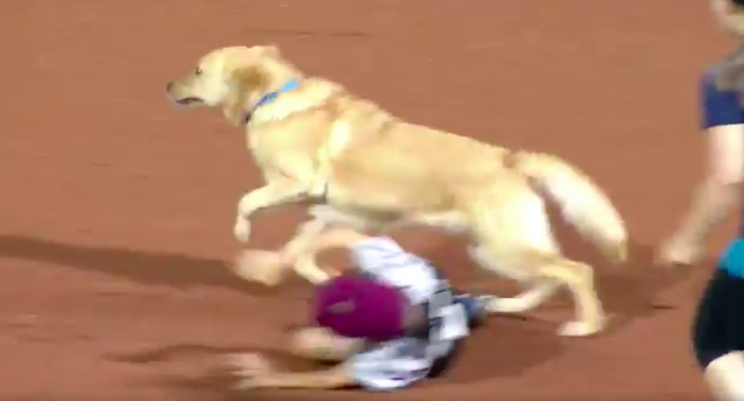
[188,101]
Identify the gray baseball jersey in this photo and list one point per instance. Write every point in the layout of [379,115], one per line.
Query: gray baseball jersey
[401,362]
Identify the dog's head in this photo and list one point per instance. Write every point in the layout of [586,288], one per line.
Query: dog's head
[232,77]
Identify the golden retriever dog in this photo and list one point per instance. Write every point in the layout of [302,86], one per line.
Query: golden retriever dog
[318,144]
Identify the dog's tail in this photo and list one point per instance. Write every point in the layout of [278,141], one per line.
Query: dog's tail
[582,203]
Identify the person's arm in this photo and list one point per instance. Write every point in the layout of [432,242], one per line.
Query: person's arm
[335,378]
[716,195]
[720,190]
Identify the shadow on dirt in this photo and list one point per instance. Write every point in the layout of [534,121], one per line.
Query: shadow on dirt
[628,291]
[173,352]
[507,346]
[144,267]
[208,374]
[534,342]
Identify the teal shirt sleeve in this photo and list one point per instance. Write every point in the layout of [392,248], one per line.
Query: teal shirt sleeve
[732,259]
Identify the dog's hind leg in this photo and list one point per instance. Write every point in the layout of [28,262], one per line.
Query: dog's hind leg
[549,273]
[515,240]
[579,279]
[538,291]
[530,299]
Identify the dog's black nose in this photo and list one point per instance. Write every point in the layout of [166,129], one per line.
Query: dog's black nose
[169,86]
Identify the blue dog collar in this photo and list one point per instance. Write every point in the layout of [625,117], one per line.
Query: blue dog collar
[271,96]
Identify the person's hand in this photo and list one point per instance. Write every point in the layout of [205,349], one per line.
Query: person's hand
[252,369]
[679,251]
[265,267]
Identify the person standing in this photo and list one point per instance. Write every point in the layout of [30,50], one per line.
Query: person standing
[718,328]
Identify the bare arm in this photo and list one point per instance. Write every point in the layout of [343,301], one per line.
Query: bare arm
[720,190]
[711,205]
[334,378]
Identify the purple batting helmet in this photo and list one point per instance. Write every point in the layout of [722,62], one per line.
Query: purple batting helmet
[359,307]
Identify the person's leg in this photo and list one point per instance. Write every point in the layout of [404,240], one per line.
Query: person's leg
[475,310]
[322,345]
[725,377]
[718,335]
[475,307]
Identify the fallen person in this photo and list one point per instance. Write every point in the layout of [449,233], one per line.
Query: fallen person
[391,322]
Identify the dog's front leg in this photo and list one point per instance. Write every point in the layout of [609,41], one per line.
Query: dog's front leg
[268,267]
[274,194]
[300,252]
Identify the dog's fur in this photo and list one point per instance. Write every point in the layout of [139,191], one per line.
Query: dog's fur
[366,168]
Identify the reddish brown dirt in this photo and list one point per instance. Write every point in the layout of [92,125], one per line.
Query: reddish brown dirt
[117,207]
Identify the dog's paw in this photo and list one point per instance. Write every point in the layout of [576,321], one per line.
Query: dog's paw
[581,329]
[242,230]
[260,266]
[310,271]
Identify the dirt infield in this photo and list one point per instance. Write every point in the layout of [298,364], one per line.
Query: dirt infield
[117,208]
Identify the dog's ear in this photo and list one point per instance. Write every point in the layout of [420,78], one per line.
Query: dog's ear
[244,83]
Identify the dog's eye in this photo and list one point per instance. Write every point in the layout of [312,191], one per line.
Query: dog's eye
[198,71]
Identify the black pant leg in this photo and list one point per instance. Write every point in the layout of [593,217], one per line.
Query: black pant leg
[718,328]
